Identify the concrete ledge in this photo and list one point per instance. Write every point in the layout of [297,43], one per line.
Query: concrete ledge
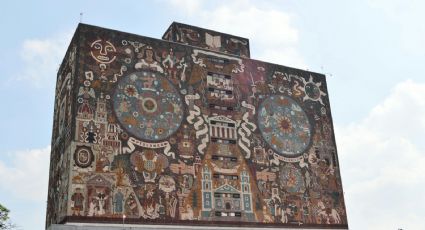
[87,226]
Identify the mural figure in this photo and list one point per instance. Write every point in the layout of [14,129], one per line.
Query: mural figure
[328,215]
[148,61]
[150,208]
[99,199]
[171,62]
[119,202]
[131,206]
[78,202]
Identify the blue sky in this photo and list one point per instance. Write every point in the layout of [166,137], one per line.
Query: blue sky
[373,52]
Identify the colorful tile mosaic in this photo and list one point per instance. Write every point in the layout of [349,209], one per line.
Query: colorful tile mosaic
[190,132]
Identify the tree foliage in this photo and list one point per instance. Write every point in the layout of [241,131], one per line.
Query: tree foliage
[5,224]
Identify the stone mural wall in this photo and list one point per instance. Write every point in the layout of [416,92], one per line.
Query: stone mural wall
[166,133]
[207,39]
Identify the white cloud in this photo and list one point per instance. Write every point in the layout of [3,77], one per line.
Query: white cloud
[41,59]
[187,6]
[270,30]
[382,159]
[25,174]
[408,19]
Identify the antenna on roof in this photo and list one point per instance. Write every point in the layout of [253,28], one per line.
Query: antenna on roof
[81,17]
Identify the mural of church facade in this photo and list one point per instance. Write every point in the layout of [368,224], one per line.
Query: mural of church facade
[190,130]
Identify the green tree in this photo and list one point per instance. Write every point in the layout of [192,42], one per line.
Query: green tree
[5,223]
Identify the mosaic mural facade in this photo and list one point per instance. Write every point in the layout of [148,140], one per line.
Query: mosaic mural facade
[207,39]
[169,133]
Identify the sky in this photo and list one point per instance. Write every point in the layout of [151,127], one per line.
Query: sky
[372,52]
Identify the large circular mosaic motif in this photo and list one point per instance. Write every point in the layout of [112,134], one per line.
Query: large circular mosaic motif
[148,106]
[284,125]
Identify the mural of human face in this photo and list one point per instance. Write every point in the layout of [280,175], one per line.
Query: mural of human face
[149,54]
[103,51]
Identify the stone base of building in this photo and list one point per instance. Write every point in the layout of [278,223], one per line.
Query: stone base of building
[88,226]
